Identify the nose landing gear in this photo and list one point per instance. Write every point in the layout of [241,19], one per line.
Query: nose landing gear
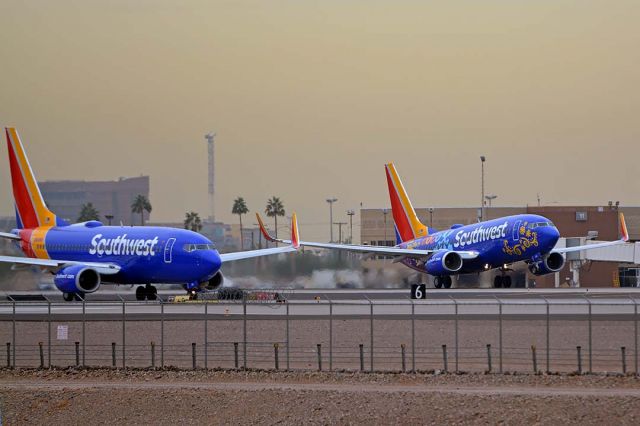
[503,280]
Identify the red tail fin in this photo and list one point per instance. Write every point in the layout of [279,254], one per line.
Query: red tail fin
[31,209]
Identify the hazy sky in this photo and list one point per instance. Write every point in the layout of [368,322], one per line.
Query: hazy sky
[310,99]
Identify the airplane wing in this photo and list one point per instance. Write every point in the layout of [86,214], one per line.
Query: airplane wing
[9,236]
[624,239]
[292,246]
[228,257]
[101,268]
[386,251]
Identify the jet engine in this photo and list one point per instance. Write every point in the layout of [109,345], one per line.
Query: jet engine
[552,262]
[77,279]
[214,282]
[444,263]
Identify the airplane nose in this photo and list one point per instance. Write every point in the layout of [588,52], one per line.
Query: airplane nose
[211,259]
[551,235]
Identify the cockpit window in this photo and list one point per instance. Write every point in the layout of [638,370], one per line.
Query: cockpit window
[193,247]
[540,224]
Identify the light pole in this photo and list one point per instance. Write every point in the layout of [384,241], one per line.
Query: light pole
[430,217]
[331,201]
[109,218]
[482,160]
[340,230]
[350,213]
[385,212]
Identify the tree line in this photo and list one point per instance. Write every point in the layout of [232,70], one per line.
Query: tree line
[192,221]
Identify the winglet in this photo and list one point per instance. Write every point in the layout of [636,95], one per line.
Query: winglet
[623,228]
[265,234]
[295,236]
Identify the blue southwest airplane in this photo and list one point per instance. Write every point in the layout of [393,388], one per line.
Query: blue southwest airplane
[85,255]
[494,244]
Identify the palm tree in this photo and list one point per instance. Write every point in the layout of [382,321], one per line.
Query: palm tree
[140,205]
[88,212]
[240,208]
[192,221]
[274,209]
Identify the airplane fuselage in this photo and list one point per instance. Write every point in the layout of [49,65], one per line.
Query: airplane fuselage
[499,242]
[144,254]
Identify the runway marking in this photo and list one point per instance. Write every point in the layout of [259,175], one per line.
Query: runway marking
[347,388]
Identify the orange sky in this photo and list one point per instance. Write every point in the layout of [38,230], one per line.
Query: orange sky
[310,99]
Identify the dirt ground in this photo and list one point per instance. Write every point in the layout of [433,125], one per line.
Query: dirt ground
[103,396]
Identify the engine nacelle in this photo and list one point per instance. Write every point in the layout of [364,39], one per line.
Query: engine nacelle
[77,279]
[553,262]
[444,263]
[213,283]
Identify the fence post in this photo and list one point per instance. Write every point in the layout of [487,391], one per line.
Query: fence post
[77,354]
[534,359]
[206,337]
[49,333]
[113,354]
[275,356]
[547,346]
[287,324]
[371,332]
[84,335]
[124,332]
[413,337]
[13,342]
[624,360]
[330,335]
[635,336]
[161,333]
[361,357]
[444,358]
[153,355]
[235,354]
[404,363]
[456,330]
[499,335]
[579,350]
[193,355]
[590,340]
[244,331]
[319,346]
[488,358]
[41,355]
[8,354]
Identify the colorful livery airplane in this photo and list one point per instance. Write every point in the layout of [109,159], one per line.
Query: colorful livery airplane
[494,244]
[85,255]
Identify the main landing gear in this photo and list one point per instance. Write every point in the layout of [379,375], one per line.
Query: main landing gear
[444,281]
[69,297]
[502,281]
[148,292]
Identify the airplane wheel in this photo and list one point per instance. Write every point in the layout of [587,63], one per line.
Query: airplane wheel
[497,282]
[506,282]
[152,293]
[140,293]
[447,281]
[437,282]
[68,296]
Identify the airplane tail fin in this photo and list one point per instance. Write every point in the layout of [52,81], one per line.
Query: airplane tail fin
[31,210]
[408,226]
[623,228]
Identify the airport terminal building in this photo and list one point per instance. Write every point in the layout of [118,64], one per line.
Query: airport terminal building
[585,222]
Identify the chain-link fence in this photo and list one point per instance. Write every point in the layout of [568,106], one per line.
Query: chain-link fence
[533,334]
